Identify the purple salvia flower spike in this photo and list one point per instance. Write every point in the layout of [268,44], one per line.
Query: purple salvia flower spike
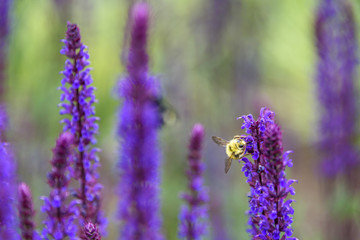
[337,49]
[8,219]
[26,212]
[269,213]
[91,232]
[78,100]
[59,223]
[280,219]
[193,216]
[138,125]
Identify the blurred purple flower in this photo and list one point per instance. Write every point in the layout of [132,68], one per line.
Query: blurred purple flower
[4,29]
[77,100]
[193,216]
[336,74]
[26,212]
[138,125]
[61,215]
[91,232]
[269,213]
[8,218]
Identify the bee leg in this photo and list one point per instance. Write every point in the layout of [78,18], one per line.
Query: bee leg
[242,156]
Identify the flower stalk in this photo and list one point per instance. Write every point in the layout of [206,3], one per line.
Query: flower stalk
[77,100]
[193,215]
[139,121]
[270,212]
[337,48]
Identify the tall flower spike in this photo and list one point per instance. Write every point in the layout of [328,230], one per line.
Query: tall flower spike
[337,49]
[138,124]
[59,223]
[77,101]
[193,216]
[26,212]
[91,232]
[269,213]
[8,220]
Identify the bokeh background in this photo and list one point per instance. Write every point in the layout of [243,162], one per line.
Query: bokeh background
[216,60]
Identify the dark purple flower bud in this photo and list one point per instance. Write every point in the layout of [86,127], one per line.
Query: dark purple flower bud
[26,212]
[77,101]
[91,232]
[138,125]
[8,219]
[337,50]
[270,212]
[59,223]
[193,216]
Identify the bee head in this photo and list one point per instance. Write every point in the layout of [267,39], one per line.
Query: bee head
[241,143]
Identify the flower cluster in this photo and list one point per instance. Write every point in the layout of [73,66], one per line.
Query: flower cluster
[77,100]
[336,75]
[138,125]
[192,216]
[60,215]
[269,214]
[26,212]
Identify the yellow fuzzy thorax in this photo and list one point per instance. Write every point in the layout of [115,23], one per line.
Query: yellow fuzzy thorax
[235,148]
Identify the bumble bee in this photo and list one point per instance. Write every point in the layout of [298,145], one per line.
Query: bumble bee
[235,148]
[168,114]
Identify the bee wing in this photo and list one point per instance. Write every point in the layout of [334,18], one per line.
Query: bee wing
[228,163]
[220,141]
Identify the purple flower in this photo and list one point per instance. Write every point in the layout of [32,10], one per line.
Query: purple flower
[138,125]
[77,101]
[91,232]
[193,216]
[270,212]
[8,220]
[336,74]
[59,223]
[26,212]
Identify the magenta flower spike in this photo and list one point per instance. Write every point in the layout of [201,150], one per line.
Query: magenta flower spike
[26,212]
[337,49]
[270,212]
[193,216]
[60,213]
[139,121]
[77,101]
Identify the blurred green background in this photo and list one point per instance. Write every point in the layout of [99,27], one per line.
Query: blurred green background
[216,60]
